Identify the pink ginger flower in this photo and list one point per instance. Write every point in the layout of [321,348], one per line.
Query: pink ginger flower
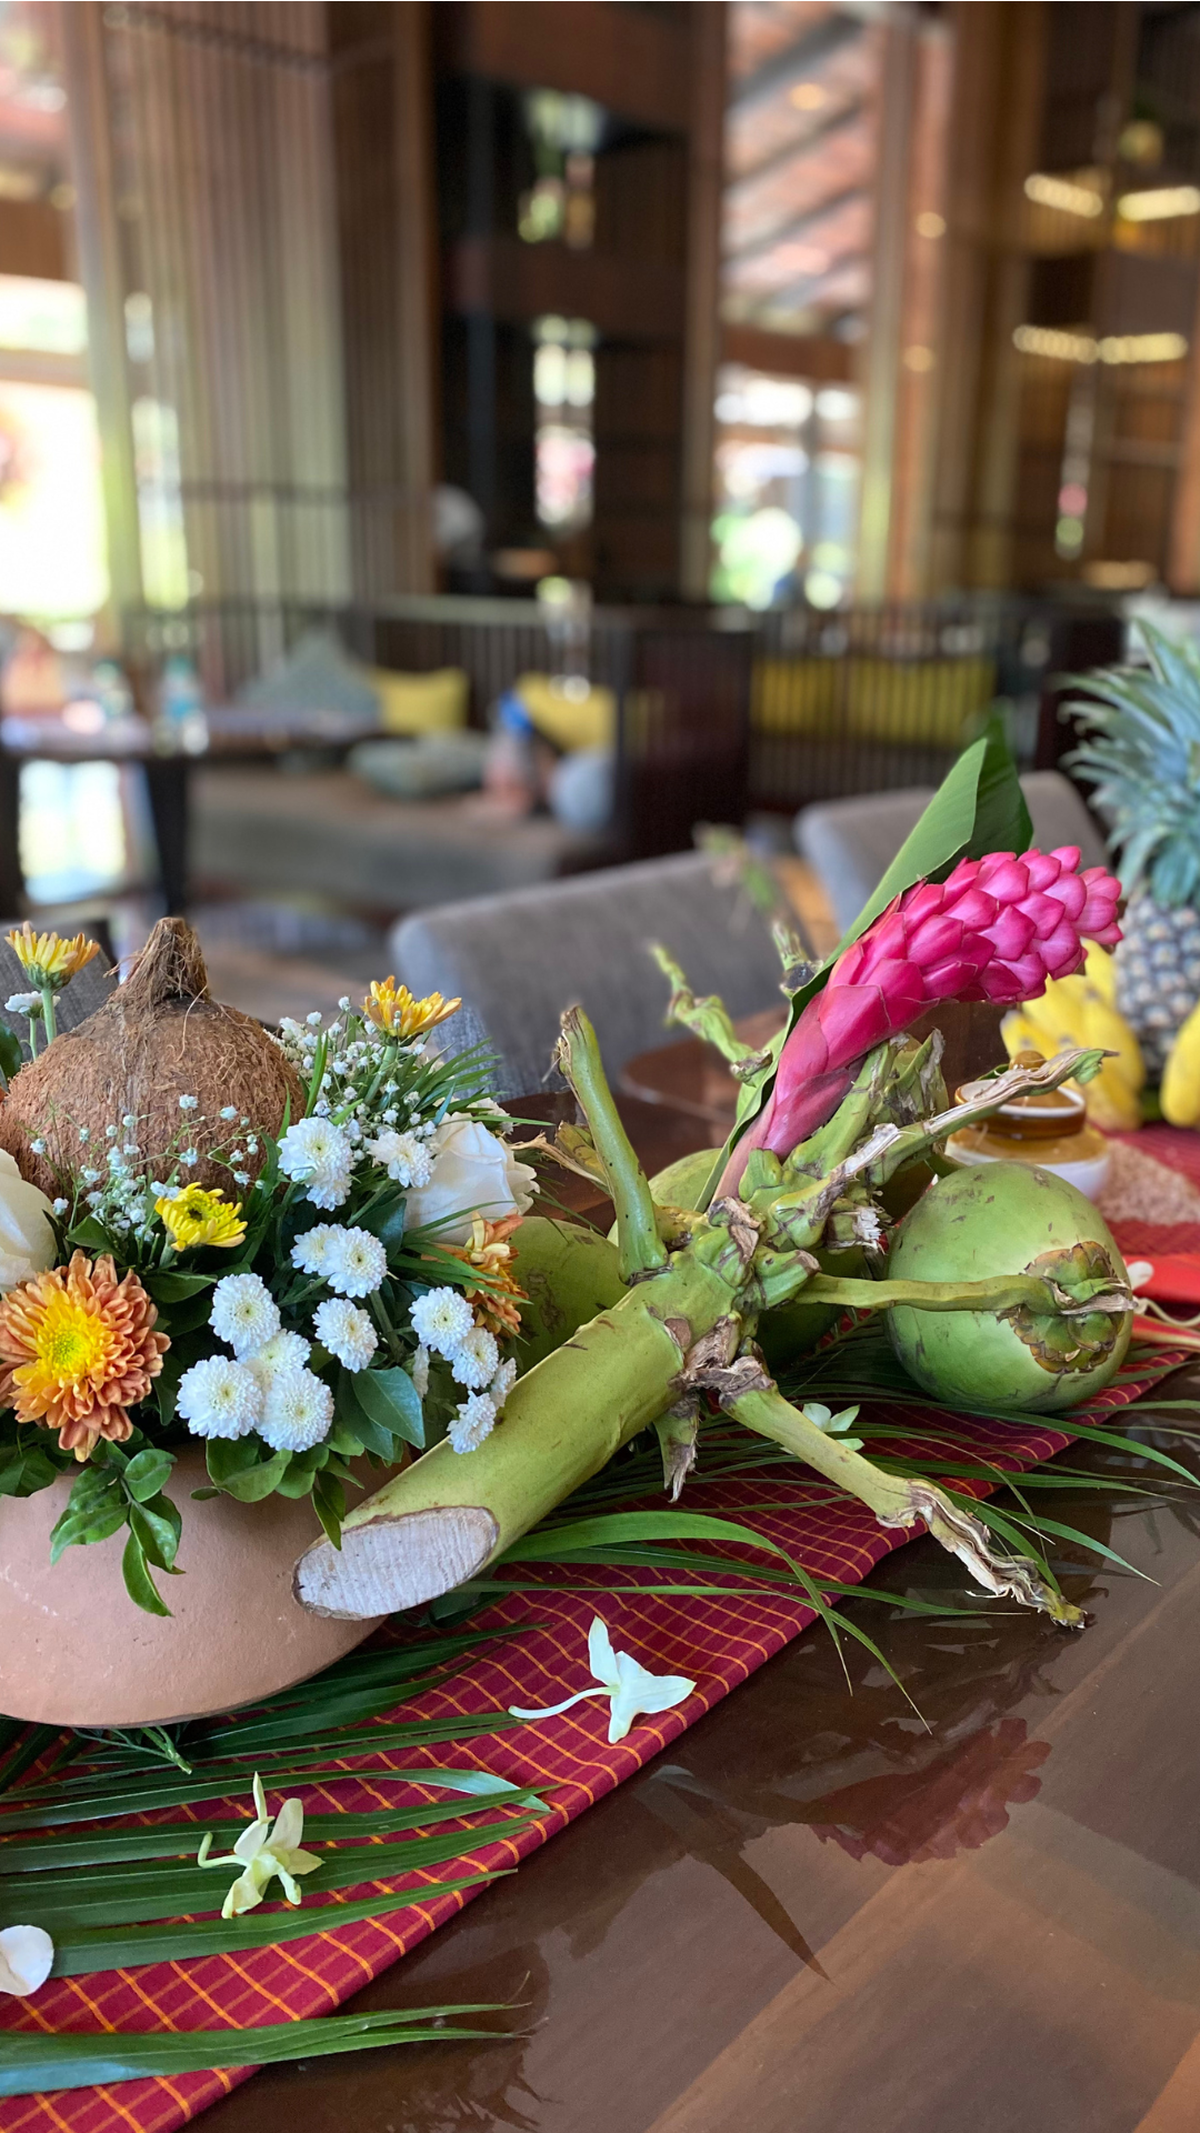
[996,930]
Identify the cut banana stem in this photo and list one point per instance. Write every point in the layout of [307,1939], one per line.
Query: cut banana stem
[897,1501]
[447,1516]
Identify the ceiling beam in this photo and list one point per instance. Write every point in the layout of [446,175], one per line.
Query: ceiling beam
[796,225]
[806,56]
[796,149]
[796,294]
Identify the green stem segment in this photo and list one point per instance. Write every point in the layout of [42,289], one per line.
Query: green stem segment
[900,1502]
[640,1248]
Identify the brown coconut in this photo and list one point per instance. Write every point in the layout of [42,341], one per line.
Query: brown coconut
[161,1036]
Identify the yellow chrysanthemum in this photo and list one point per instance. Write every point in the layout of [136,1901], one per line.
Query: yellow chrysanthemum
[391,1007]
[199,1217]
[47,959]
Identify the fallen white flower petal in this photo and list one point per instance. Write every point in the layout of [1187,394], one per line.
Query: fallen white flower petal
[26,1955]
[630,1687]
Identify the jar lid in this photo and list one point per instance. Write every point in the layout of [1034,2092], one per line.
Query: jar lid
[1045,1114]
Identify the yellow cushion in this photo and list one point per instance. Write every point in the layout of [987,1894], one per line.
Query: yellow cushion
[587,721]
[795,695]
[421,703]
[922,702]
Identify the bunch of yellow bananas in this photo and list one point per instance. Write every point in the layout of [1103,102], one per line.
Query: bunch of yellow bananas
[1083,1010]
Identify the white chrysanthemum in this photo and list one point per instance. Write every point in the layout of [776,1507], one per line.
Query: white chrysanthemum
[284,1351]
[328,1189]
[420,1371]
[314,1252]
[298,1412]
[404,1157]
[219,1398]
[346,1331]
[317,1154]
[473,1421]
[244,1313]
[502,1384]
[442,1320]
[476,1359]
[357,1263]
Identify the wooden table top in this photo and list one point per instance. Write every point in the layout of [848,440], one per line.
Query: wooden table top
[821,1913]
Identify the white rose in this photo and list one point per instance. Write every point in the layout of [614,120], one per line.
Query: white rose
[26,1238]
[473,1173]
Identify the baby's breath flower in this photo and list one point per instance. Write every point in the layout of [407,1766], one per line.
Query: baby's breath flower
[229,1111]
[189,1103]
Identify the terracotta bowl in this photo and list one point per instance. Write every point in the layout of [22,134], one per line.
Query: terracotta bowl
[75,1651]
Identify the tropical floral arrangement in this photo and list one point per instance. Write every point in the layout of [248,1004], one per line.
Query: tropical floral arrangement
[725,1273]
[298,1284]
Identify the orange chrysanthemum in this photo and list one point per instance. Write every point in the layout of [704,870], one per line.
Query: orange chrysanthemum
[496,1300]
[78,1350]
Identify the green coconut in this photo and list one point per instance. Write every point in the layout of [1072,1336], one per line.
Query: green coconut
[683,1181]
[1007,1218]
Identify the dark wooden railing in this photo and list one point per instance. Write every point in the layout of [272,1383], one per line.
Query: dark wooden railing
[719,713]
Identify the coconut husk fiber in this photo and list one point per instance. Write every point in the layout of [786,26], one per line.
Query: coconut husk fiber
[160,1036]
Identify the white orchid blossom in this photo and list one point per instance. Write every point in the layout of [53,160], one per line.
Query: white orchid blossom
[26,1956]
[262,1851]
[630,1687]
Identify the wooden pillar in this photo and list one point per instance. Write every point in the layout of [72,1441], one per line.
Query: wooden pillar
[702,304]
[883,354]
[992,146]
[920,381]
[102,272]
[383,160]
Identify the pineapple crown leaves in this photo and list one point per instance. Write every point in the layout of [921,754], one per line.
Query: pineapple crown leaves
[1141,754]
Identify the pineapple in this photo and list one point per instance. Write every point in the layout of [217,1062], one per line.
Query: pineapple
[1141,753]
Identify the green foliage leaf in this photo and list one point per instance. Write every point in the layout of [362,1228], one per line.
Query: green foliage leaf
[329,1503]
[158,1526]
[172,1287]
[95,1510]
[90,1234]
[145,1474]
[390,1398]
[10,1053]
[385,1219]
[237,1467]
[25,1469]
[138,1582]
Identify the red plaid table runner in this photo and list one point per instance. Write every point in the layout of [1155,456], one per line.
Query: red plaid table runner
[710,1640]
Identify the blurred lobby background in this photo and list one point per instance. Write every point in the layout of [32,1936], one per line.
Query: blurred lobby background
[446,448]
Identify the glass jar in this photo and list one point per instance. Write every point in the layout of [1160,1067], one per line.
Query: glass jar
[1049,1127]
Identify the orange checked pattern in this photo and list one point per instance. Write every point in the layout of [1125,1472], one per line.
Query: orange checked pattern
[710,1640]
